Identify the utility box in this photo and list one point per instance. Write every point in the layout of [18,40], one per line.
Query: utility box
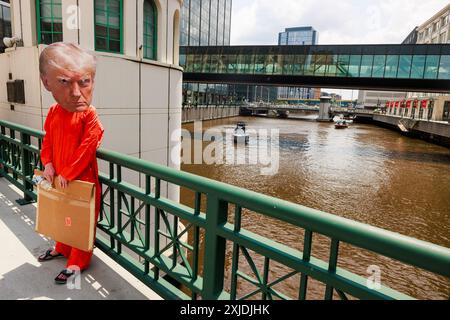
[11,88]
[16,91]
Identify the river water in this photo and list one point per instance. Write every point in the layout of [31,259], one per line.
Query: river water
[364,173]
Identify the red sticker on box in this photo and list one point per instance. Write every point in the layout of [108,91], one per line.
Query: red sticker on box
[68,221]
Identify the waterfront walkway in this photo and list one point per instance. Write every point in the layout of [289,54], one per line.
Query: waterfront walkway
[23,277]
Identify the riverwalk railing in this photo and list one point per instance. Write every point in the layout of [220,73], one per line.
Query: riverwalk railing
[139,226]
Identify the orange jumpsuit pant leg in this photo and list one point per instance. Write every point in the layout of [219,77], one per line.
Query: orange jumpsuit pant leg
[80,258]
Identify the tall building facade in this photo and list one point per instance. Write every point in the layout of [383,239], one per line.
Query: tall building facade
[206,23]
[412,37]
[5,23]
[376,99]
[435,30]
[302,36]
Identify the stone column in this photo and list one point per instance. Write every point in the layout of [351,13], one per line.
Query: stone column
[324,112]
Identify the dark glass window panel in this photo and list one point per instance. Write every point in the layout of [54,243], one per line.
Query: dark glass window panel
[343,65]
[418,66]
[57,10]
[331,65]
[46,27]
[308,69]
[57,27]
[101,31]
[366,66]
[354,66]
[114,21]
[101,44]
[431,67]
[444,68]
[320,64]
[391,66]
[57,37]
[114,7]
[100,5]
[114,33]
[404,69]
[46,38]
[378,66]
[114,46]
[101,17]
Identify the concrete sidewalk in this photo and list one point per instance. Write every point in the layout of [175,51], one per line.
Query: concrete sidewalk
[23,277]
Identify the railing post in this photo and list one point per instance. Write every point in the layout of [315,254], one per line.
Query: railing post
[214,256]
[25,140]
[2,151]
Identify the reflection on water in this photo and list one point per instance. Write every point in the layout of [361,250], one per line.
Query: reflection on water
[364,173]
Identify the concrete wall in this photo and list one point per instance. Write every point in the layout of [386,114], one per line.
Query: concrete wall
[434,128]
[208,113]
[419,113]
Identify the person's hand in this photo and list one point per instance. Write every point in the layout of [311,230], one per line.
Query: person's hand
[49,172]
[63,183]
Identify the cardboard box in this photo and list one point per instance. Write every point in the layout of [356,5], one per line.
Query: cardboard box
[67,215]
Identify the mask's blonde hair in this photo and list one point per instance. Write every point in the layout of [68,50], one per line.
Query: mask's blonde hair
[69,56]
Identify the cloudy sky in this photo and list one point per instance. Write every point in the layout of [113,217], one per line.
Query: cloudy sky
[337,21]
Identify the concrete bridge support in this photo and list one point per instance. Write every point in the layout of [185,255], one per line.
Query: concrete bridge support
[324,111]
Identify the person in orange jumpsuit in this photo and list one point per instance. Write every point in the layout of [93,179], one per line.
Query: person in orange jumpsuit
[73,134]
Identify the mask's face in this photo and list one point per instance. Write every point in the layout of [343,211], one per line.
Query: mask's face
[71,89]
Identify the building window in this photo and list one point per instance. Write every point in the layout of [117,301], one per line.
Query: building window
[150,29]
[49,21]
[109,25]
[5,24]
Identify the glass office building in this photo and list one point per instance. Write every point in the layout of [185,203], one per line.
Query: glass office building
[300,36]
[206,23]
[5,23]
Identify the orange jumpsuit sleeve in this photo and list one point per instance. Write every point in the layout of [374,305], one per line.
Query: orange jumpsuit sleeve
[47,144]
[85,154]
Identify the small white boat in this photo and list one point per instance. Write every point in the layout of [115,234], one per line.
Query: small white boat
[341,124]
[240,135]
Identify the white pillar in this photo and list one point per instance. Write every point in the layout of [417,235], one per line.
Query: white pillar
[129,28]
[23,14]
[87,25]
[325,105]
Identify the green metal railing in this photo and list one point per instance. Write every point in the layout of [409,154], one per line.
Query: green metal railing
[138,227]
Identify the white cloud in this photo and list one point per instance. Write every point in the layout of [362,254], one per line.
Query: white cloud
[338,22]
[258,22]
